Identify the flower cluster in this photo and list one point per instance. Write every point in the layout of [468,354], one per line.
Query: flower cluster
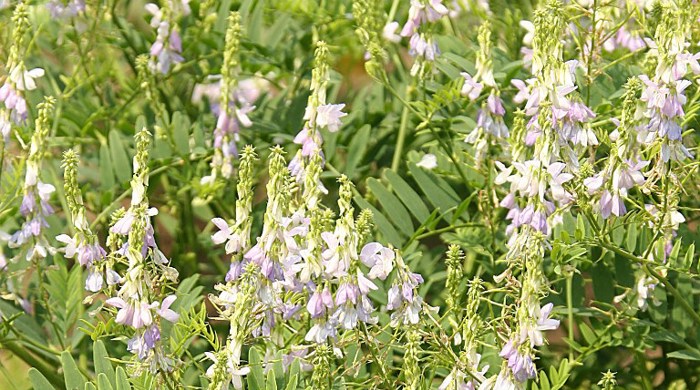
[232,101]
[84,244]
[142,290]
[167,48]
[65,9]
[35,205]
[421,17]
[318,115]
[303,265]
[664,91]
[537,187]
[490,126]
[19,79]
[624,166]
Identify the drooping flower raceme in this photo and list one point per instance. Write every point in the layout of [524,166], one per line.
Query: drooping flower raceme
[167,48]
[421,16]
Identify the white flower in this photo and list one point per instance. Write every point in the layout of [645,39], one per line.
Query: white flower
[94,281]
[429,161]
[224,231]
[389,32]
[24,79]
[328,115]
[379,258]
[71,246]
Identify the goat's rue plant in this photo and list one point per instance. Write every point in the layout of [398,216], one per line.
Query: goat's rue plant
[349,194]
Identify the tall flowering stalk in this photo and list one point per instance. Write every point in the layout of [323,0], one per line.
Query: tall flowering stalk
[18,79]
[623,170]
[537,188]
[490,127]
[233,106]
[319,114]
[84,245]
[35,205]
[658,125]
[465,373]
[143,298]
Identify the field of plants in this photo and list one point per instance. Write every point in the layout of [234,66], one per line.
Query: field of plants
[349,194]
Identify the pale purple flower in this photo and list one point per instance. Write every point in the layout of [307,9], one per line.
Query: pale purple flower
[379,258]
[428,161]
[65,10]
[133,313]
[533,332]
[321,331]
[521,365]
[165,311]
[424,47]
[471,88]
[224,231]
[319,301]
[611,203]
[94,281]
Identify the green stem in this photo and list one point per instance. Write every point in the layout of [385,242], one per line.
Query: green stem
[401,138]
[43,367]
[385,376]
[570,311]
[651,272]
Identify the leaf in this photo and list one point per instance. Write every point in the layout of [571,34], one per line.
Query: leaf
[106,170]
[90,386]
[74,379]
[385,227]
[356,149]
[181,134]
[256,377]
[439,193]
[632,233]
[292,384]
[122,379]
[39,381]
[689,255]
[392,206]
[102,363]
[682,323]
[603,283]
[587,333]
[544,381]
[270,383]
[685,354]
[103,382]
[409,197]
[120,158]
